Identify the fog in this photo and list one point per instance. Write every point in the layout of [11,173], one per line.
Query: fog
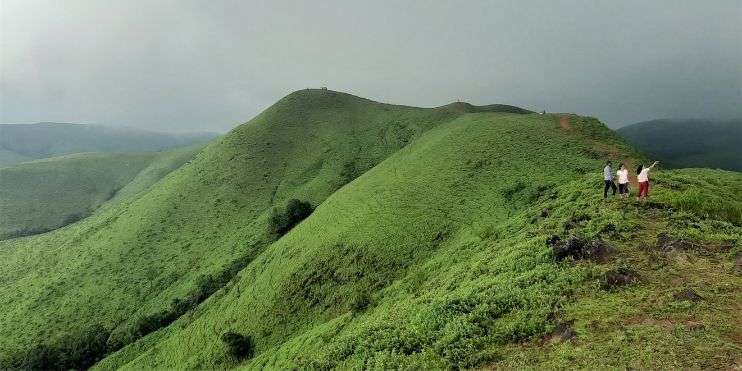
[208,66]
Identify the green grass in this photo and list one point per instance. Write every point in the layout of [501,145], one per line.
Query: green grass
[43,195]
[426,249]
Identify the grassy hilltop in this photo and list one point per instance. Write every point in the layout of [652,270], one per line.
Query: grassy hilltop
[427,249]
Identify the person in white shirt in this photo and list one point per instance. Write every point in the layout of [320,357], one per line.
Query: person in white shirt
[643,178]
[623,181]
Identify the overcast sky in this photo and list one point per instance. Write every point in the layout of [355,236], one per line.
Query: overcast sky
[211,65]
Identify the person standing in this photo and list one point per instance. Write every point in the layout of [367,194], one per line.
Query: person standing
[643,178]
[608,179]
[623,181]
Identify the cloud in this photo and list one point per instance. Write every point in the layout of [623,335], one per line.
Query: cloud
[196,65]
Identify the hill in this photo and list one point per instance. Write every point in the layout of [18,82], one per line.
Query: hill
[19,143]
[689,143]
[427,249]
[43,195]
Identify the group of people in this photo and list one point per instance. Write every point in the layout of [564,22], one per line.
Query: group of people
[642,176]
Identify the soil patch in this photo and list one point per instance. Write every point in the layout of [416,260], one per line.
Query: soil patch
[687,295]
[579,249]
[617,278]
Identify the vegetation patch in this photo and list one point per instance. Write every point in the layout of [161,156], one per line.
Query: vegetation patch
[239,346]
[283,221]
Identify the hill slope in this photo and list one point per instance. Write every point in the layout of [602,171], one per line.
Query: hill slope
[426,249]
[689,143]
[384,275]
[19,143]
[132,260]
[42,195]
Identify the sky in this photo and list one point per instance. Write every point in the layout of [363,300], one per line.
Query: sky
[211,65]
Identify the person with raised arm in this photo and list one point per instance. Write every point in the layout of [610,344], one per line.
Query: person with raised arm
[642,176]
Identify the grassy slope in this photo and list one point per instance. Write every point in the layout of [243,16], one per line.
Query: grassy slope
[8,157]
[45,194]
[446,239]
[689,143]
[133,259]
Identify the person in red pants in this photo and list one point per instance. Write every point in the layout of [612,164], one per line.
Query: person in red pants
[642,175]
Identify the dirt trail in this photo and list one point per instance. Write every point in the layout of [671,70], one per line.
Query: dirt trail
[564,122]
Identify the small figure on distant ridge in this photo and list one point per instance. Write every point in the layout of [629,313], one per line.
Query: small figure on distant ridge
[642,175]
[608,178]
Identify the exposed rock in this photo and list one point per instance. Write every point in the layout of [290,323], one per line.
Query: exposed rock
[666,242]
[687,295]
[577,249]
[618,277]
[564,332]
[575,220]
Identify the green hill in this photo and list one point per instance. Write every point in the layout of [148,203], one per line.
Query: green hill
[25,142]
[427,249]
[43,195]
[689,143]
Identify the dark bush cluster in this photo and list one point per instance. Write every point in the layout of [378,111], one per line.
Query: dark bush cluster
[295,212]
[30,231]
[206,285]
[238,346]
[75,351]
[23,232]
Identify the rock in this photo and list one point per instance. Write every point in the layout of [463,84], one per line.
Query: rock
[575,220]
[666,242]
[687,295]
[565,331]
[618,277]
[577,249]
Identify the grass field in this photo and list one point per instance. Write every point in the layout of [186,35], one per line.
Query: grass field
[43,195]
[427,250]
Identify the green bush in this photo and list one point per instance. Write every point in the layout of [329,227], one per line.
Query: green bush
[295,212]
[239,346]
[76,351]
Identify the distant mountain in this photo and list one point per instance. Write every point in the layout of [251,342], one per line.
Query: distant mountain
[689,143]
[25,142]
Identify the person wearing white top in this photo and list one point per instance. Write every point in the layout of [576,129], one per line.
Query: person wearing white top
[623,181]
[643,178]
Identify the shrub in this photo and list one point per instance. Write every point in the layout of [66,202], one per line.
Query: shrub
[206,285]
[78,350]
[360,301]
[295,212]
[239,346]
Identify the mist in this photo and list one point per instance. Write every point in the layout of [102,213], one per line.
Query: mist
[209,66]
